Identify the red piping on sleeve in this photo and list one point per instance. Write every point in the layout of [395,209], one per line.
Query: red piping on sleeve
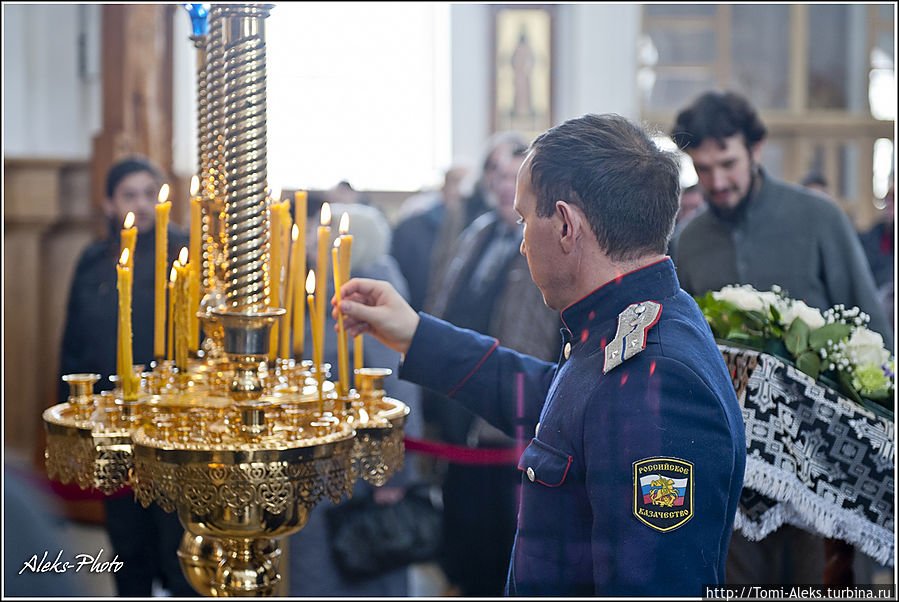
[470,374]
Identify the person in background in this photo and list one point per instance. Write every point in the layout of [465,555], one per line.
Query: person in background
[486,288]
[414,236]
[473,205]
[761,231]
[313,571]
[879,243]
[815,180]
[145,539]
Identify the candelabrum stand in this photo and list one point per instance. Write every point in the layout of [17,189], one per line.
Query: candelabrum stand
[242,448]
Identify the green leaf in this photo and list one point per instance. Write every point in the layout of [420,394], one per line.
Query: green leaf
[796,337]
[846,387]
[776,348]
[810,363]
[749,340]
[829,332]
[755,320]
[775,314]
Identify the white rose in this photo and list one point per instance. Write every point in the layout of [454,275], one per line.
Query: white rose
[866,347]
[744,297]
[798,309]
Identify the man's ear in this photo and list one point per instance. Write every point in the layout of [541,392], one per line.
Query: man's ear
[755,151]
[570,224]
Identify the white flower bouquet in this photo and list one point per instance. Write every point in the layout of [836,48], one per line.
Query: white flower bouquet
[835,346]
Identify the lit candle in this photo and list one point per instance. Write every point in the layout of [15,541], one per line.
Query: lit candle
[346,249]
[129,237]
[343,364]
[321,286]
[317,349]
[126,374]
[291,284]
[182,301]
[171,338]
[163,206]
[196,261]
[299,261]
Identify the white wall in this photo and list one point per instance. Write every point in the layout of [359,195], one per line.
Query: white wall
[596,65]
[184,93]
[52,110]
[51,83]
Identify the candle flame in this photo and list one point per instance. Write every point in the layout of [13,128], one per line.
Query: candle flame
[336,243]
[276,193]
[344,223]
[174,274]
[326,214]
[164,193]
[123,260]
[129,220]
[295,232]
[310,282]
[194,185]
[182,256]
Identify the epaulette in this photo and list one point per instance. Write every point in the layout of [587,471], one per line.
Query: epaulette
[630,338]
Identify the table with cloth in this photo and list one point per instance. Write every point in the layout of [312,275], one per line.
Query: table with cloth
[815,459]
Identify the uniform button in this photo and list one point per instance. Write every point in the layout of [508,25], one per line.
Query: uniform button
[531,474]
[567,350]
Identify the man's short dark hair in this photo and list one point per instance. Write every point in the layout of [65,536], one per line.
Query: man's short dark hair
[628,187]
[125,167]
[717,115]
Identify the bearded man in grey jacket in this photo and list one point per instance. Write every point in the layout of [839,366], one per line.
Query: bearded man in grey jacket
[761,231]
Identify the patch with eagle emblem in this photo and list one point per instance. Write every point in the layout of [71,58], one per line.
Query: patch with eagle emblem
[663,492]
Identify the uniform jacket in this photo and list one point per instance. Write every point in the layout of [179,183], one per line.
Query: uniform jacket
[785,235]
[587,524]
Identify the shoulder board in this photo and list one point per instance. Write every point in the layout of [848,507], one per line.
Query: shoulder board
[630,338]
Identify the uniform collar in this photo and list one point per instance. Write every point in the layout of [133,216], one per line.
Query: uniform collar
[654,282]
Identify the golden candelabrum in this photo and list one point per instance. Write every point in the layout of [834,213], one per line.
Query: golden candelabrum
[241,447]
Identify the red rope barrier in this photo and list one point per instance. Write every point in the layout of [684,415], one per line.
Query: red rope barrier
[459,454]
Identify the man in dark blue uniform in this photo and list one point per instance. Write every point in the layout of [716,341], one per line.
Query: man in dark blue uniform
[630,483]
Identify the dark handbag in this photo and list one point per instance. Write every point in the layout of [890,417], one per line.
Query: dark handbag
[368,538]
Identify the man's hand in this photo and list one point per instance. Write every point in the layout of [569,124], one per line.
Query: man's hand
[375,307]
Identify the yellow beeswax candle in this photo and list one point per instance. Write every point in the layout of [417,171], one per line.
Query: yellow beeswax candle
[286,228]
[182,302]
[171,338]
[343,363]
[196,262]
[129,237]
[317,347]
[163,207]
[126,375]
[358,356]
[274,273]
[299,261]
[321,281]
[289,293]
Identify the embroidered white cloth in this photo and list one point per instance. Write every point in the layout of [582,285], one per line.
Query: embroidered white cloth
[814,460]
